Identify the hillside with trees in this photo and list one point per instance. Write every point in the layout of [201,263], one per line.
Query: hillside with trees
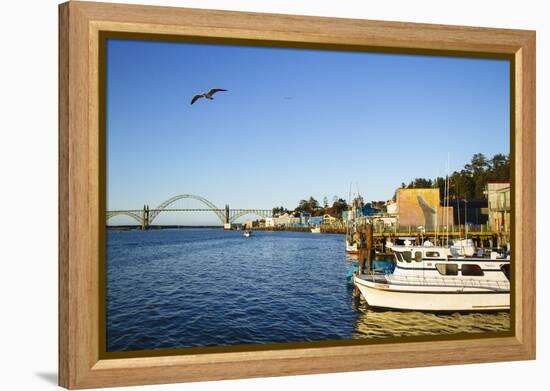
[467,183]
[470,181]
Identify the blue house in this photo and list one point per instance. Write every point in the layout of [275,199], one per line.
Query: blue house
[304,218]
[318,220]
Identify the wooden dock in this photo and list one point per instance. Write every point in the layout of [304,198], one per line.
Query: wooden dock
[482,238]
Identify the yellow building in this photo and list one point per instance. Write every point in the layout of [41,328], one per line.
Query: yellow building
[422,207]
[328,219]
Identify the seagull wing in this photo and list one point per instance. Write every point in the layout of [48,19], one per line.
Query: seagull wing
[196,97]
[214,90]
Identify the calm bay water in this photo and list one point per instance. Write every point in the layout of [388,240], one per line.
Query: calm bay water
[209,287]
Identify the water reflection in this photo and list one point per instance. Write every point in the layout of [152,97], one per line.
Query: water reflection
[378,323]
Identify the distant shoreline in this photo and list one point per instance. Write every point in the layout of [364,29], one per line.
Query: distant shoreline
[158,227]
[324,230]
[153,227]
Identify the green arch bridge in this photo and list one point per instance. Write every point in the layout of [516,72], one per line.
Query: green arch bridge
[146,216]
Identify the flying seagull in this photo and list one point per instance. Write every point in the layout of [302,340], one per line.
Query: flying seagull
[207,95]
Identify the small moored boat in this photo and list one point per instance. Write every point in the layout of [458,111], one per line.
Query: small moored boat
[316,230]
[247,234]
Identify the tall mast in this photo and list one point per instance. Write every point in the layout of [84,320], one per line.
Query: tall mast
[447,197]
[436,210]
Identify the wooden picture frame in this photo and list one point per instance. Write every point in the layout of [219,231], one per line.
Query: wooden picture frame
[81,163]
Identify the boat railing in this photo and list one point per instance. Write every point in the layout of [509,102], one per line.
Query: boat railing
[379,227]
[449,282]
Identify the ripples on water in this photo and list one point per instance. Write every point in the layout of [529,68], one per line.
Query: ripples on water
[209,287]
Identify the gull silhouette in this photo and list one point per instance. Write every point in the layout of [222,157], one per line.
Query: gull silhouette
[207,95]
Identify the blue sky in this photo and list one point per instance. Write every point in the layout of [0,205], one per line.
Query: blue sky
[293,123]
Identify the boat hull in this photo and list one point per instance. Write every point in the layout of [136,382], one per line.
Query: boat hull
[383,295]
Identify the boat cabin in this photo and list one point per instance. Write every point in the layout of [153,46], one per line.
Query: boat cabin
[439,261]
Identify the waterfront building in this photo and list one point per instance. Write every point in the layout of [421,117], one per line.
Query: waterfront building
[346,216]
[328,219]
[498,199]
[391,208]
[471,212]
[422,207]
[317,220]
[249,224]
[304,218]
[285,220]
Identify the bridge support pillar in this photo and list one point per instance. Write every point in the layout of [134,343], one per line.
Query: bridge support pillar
[226,223]
[145,217]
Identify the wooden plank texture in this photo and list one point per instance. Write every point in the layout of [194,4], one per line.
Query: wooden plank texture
[63,178]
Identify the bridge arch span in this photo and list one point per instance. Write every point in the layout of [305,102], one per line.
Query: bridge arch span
[133,215]
[170,201]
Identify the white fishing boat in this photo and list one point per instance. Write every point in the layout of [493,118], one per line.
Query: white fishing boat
[316,230]
[437,278]
[247,234]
